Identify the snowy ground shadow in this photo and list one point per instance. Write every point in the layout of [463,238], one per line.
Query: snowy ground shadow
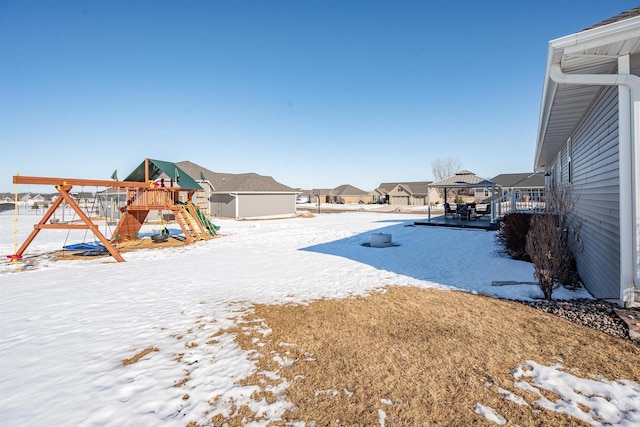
[461,258]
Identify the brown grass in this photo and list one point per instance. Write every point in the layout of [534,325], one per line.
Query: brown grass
[432,354]
[139,356]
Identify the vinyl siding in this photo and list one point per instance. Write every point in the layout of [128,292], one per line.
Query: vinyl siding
[223,205]
[557,171]
[595,182]
[264,205]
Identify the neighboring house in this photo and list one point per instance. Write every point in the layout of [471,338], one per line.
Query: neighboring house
[39,199]
[378,195]
[5,206]
[246,195]
[304,196]
[588,137]
[6,203]
[108,202]
[348,194]
[406,193]
[526,186]
[322,194]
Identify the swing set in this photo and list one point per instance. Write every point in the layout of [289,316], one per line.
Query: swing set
[142,196]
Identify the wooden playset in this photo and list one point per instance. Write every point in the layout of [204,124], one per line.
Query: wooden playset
[146,190]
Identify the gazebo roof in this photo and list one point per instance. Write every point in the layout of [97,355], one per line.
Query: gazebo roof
[462,179]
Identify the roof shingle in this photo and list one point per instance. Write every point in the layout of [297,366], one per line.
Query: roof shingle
[228,182]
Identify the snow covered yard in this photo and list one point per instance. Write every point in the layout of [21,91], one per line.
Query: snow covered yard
[66,327]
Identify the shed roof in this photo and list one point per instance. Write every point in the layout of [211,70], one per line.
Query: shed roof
[594,50]
[157,168]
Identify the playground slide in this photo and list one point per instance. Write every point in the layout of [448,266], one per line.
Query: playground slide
[211,227]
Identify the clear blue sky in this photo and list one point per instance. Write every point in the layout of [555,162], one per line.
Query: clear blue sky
[313,93]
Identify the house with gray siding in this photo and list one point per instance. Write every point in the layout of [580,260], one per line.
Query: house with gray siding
[406,193]
[588,138]
[242,196]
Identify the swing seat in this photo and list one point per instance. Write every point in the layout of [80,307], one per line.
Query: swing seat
[84,247]
[94,252]
[159,237]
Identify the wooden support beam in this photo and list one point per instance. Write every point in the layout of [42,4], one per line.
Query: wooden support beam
[36,228]
[64,182]
[63,226]
[64,193]
[108,246]
[38,180]
[129,225]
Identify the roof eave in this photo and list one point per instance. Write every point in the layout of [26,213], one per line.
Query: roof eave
[570,45]
[548,93]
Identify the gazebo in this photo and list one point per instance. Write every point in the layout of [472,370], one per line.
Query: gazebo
[464,179]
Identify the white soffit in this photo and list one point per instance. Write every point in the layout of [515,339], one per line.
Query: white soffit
[593,51]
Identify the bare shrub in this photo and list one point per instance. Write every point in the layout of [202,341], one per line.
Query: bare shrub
[512,235]
[553,239]
[547,248]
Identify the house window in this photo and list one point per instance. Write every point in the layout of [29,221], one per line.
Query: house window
[559,167]
[569,155]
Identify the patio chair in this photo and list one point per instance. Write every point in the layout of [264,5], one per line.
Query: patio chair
[483,209]
[450,210]
[462,211]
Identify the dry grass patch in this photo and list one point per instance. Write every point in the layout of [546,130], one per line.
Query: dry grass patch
[139,356]
[424,357]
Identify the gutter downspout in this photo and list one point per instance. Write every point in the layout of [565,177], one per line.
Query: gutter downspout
[628,138]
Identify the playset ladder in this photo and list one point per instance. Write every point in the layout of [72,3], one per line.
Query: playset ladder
[188,220]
